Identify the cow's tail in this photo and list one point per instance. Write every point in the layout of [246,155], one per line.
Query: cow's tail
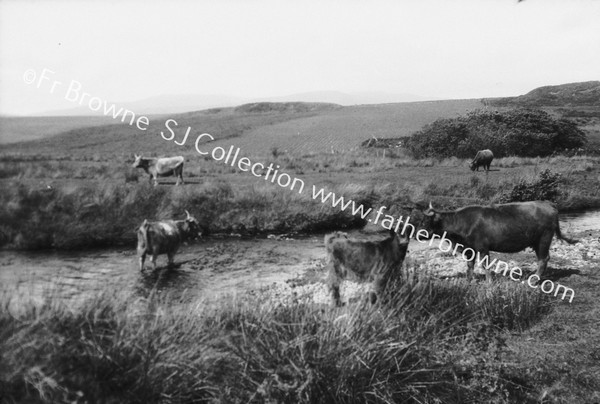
[560,236]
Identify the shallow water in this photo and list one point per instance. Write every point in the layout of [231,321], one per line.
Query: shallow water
[580,221]
[202,270]
[206,269]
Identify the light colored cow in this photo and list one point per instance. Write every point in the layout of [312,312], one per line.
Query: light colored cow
[164,237]
[371,261]
[161,167]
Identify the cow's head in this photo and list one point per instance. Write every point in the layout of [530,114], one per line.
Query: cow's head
[431,219]
[401,240]
[192,226]
[138,161]
[473,166]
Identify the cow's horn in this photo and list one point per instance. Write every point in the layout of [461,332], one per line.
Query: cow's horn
[188,214]
[429,211]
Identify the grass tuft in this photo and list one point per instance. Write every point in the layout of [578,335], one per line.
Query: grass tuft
[433,341]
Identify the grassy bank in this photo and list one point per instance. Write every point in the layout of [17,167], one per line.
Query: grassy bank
[435,342]
[71,204]
[86,215]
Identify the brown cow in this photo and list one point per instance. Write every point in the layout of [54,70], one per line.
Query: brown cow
[483,158]
[373,261]
[164,237]
[507,228]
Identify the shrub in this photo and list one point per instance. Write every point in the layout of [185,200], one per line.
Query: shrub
[546,188]
[518,132]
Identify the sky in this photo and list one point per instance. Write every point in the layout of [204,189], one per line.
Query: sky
[130,50]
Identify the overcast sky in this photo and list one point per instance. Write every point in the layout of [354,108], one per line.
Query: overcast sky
[129,50]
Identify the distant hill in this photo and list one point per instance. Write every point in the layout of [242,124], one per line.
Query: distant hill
[179,103]
[585,94]
[291,107]
[256,128]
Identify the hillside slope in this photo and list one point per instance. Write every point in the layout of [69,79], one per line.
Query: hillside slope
[564,95]
[256,128]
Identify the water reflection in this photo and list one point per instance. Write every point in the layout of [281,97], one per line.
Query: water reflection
[580,221]
[175,281]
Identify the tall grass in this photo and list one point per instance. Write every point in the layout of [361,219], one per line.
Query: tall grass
[111,201]
[105,213]
[433,342]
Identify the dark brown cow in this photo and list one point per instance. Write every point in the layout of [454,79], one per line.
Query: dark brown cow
[164,237]
[373,261]
[507,228]
[483,158]
[161,167]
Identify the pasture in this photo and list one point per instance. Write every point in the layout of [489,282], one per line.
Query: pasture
[155,340]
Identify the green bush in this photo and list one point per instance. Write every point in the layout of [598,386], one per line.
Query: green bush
[518,132]
[545,188]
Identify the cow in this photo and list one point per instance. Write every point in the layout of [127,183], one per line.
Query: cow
[164,237]
[161,167]
[373,261]
[483,158]
[506,228]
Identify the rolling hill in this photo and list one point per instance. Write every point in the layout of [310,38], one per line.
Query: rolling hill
[584,94]
[256,128]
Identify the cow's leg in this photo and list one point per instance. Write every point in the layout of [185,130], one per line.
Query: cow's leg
[379,287]
[153,260]
[482,258]
[470,268]
[142,259]
[333,282]
[542,252]
[179,175]
[170,261]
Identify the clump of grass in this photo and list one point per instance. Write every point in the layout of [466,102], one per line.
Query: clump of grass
[106,213]
[546,187]
[432,342]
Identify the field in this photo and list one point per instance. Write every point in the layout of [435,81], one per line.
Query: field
[19,129]
[73,188]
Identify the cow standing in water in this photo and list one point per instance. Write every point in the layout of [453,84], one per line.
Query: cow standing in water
[165,237]
[161,167]
[379,262]
[506,228]
[483,158]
